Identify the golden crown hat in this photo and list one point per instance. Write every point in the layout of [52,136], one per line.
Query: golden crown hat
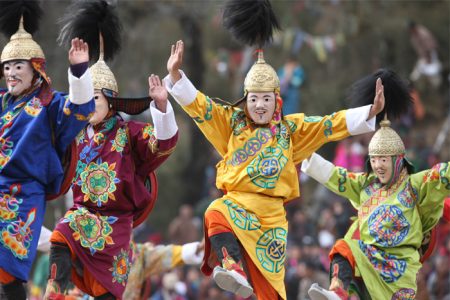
[261,77]
[21,46]
[96,22]
[102,76]
[253,23]
[386,142]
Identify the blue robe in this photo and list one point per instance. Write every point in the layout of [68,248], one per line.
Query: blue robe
[33,139]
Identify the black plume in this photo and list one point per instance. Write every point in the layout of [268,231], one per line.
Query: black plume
[11,11]
[251,22]
[396,93]
[85,19]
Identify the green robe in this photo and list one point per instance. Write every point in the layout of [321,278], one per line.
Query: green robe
[391,222]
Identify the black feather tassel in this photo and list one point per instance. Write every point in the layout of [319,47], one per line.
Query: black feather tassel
[251,22]
[396,93]
[85,19]
[11,11]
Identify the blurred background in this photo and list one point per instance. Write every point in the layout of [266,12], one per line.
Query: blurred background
[323,47]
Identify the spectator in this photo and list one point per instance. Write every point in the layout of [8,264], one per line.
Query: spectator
[350,154]
[439,280]
[309,273]
[291,77]
[425,45]
[172,288]
[184,228]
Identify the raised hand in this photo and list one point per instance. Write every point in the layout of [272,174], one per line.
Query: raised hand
[79,52]
[175,61]
[157,92]
[378,101]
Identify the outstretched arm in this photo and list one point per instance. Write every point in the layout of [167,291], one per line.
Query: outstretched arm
[336,179]
[431,187]
[79,52]
[378,101]
[69,114]
[213,119]
[157,92]
[175,61]
[81,88]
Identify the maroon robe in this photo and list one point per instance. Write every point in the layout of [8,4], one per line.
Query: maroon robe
[110,196]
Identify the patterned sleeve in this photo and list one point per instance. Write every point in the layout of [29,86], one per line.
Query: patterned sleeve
[336,179]
[347,184]
[213,119]
[310,133]
[148,152]
[431,187]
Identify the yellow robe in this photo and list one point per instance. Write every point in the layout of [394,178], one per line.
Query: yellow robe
[258,173]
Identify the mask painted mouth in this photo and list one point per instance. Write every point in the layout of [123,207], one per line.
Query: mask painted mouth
[13,82]
[260,112]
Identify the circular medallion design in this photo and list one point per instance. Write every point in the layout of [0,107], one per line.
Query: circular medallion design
[98,182]
[121,267]
[265,169]
[92,230]
[388,225]
[271,249]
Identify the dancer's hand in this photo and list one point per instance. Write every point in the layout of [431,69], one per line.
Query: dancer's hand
[157,92]
[175,61]
[79,52]
[378,101]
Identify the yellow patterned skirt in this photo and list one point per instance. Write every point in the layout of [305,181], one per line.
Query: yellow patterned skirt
[259,223]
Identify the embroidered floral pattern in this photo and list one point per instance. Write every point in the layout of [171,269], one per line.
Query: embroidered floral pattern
[120,140]
[92,230]
[121,267]
[432,174]
[9,204]
[33,107]
[98,182]
[148,132]
[6,147]
[17,235]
